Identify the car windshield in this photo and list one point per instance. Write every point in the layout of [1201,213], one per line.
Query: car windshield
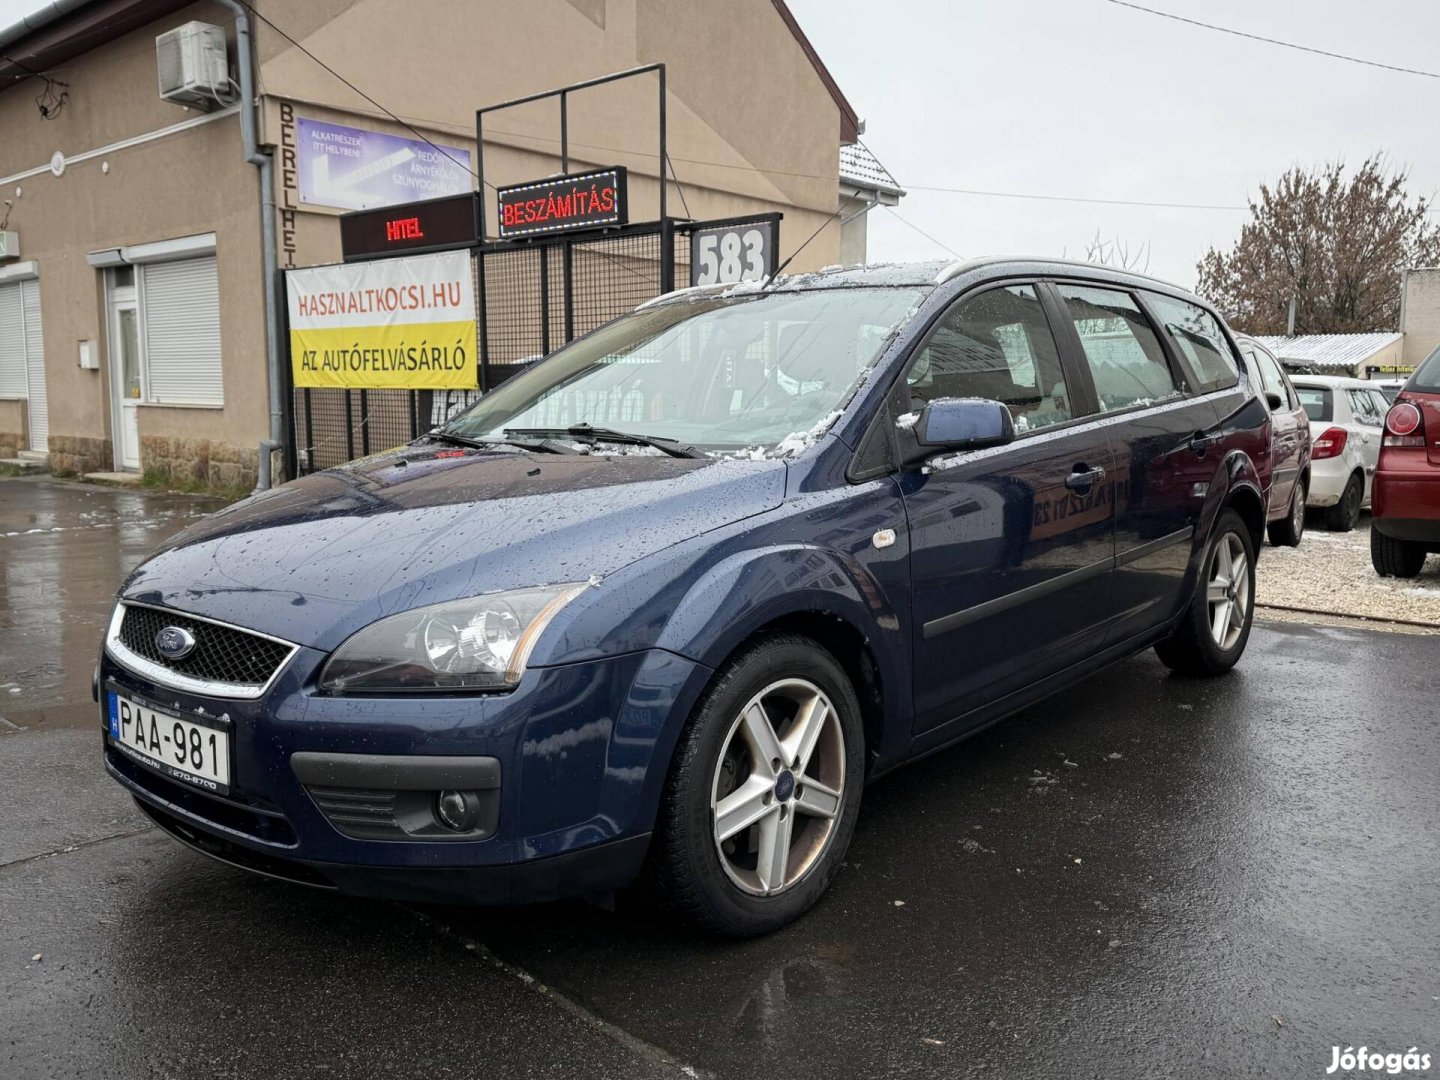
[1317,402]
[753,371]
[1427,376]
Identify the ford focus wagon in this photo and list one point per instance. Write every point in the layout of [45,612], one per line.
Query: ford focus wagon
[663,603]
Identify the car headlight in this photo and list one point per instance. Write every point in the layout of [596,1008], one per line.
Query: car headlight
[481,643]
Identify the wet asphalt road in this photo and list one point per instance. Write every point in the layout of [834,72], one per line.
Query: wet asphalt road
[1146,877]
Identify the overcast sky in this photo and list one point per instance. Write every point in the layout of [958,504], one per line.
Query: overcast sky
[1087,98]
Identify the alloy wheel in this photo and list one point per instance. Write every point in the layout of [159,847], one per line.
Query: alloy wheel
[1228,591]
[1297,514]
[779,787]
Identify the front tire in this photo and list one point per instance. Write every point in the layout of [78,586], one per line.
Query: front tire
[1288,532]
[1395,558]
[1216,624]
[763,791]
[1345,514]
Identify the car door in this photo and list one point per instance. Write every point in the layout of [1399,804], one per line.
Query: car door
[1162,420]
[1286,422]
[1011,547]
[1368,421]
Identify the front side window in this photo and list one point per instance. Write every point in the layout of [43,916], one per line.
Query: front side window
[997,346]
[1198,335]
[1125,357]
[1270,377]
[720,373]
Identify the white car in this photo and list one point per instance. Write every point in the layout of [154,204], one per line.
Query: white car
[1346,418]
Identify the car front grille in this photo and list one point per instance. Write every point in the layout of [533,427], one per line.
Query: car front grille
[222,654]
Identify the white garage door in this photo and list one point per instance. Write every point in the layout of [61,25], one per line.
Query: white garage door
[22,356]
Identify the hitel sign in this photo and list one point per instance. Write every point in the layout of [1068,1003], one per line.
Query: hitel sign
[564,203]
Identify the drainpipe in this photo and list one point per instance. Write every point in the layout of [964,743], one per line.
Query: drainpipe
[268,261]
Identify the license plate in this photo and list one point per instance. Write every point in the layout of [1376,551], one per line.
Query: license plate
[191,751]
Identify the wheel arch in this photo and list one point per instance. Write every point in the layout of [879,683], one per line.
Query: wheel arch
[822,594]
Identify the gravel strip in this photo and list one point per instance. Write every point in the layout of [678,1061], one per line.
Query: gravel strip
[1331,572]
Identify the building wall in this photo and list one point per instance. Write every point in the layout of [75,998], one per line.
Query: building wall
[184,184]
[751,127]
[1420,314]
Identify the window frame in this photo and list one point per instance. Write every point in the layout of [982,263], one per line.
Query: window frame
[1227,336]
[1082,402]
[1179,372]
[1083,405]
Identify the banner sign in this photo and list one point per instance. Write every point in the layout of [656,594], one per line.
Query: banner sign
[429,224]
[563,203]
[354,169]
[392,324]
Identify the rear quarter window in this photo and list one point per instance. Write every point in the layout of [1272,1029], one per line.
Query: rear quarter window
[1197,334]
[1317,402]
[1427,376]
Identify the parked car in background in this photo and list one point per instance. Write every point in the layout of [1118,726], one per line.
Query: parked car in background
[673,594]
[1290,443]
[1346,416]
[1406,525]
[1389,387]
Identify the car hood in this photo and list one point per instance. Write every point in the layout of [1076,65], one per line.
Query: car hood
[318,558]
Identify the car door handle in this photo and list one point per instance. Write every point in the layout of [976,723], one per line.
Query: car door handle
[1083,478]
[1200,442]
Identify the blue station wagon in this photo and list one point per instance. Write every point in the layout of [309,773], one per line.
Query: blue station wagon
[663,603]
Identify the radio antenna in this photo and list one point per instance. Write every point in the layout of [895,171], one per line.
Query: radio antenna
[781,268]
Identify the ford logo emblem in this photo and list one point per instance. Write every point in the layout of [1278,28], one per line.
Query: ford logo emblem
[174,642]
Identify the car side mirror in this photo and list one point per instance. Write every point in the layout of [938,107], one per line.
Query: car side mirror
[1274,400]
[958,424]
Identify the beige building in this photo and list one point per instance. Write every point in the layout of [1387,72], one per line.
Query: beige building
[132,254]
[1420,313]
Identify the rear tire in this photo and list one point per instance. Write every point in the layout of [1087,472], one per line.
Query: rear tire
[1216,623]
[1345,514]
[1395,558]
[719,779]
[1288,532]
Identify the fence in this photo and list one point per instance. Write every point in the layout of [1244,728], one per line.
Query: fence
[531,298]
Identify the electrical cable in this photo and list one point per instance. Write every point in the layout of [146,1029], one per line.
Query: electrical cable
[1274,41]
[922,232]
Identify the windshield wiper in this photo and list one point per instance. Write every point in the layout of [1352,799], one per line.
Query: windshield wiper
[547,446]
[588,433]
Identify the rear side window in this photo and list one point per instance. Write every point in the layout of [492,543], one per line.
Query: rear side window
[1427,376]
[996,345]
[1363,408]
[1124,355]
[1198,335]
[1317,403]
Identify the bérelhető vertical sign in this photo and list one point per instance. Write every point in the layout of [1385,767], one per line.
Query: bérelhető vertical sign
[590,200]
[394,324]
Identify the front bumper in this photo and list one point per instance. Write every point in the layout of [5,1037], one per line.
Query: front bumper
[580,754]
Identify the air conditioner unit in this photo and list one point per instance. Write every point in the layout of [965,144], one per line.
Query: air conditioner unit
[193,67]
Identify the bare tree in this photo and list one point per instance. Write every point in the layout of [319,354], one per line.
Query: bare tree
[1334,244]
[1117,253]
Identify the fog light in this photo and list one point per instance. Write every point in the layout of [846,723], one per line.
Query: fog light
[458,810]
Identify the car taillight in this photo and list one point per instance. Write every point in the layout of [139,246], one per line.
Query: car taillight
[1404,426]
[1331,444]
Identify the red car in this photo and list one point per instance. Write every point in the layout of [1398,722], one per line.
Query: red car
[1406,493]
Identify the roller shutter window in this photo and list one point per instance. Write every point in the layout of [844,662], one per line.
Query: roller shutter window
[12,342]
[182,331]
[38,411]
[22,356]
